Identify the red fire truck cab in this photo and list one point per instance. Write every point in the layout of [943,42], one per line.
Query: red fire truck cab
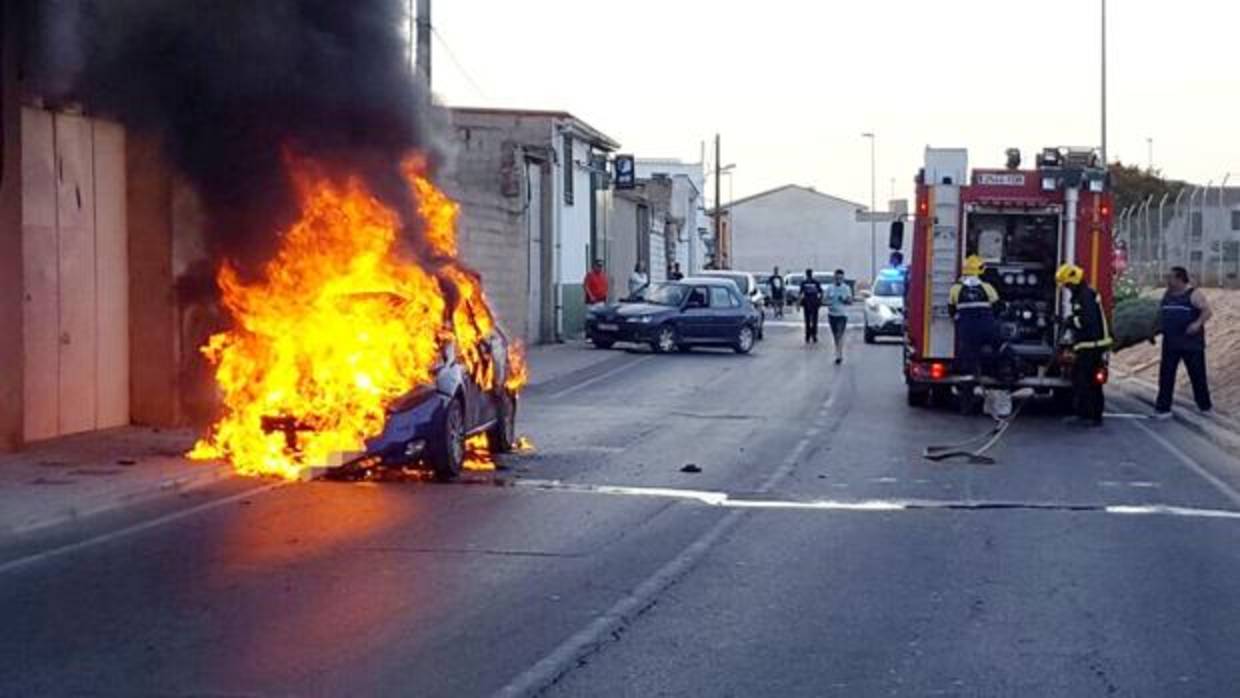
[1024,224]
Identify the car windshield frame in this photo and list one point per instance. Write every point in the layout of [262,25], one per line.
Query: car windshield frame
[668,294]
[888,284]
[737,279]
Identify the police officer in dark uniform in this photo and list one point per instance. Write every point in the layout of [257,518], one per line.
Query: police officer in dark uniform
[811,303]
[1091,339]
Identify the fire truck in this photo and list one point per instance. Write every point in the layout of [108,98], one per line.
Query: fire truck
[1024,223]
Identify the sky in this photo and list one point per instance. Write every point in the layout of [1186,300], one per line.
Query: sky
[791,85]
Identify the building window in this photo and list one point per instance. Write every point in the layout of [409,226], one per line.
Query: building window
[569,169]
[1197,225]
[1235,220]
[1196,256]
[1231,252]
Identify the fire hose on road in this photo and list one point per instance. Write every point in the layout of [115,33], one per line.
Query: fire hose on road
[975,448]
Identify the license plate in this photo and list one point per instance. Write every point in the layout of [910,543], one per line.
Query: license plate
[608,327]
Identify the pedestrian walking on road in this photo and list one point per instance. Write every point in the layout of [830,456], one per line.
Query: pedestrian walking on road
[777,293]
[597,285]
[1185,312]
[638,280]
[811,303]
[838,296]
[1091,339]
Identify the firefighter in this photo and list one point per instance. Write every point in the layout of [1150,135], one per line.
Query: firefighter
[972,304]
[1090,339]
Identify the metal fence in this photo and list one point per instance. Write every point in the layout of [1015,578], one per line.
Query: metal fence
[1198,229]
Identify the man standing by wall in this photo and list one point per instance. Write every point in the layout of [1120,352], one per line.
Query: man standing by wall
[1185,312]
[811,303]
[839,295]
[638,280]
[596,285]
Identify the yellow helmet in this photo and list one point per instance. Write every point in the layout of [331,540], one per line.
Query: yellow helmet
[1069,275]
[973,266]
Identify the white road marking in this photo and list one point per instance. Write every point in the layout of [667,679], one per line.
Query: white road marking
[46,555]
[726,501]
[1144,485]
[1188,461]
[600,377]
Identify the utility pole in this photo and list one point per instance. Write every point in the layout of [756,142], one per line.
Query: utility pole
[1105,163]
[423,64]
[1149,147]
[873,205]
[720,253]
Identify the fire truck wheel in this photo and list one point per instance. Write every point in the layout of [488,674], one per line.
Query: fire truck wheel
[448,456]
[918,397]
[503,435]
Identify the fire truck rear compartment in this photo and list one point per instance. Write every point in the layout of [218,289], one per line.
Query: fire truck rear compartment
[1021,252]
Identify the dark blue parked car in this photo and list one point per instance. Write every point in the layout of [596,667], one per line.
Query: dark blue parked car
[680,315]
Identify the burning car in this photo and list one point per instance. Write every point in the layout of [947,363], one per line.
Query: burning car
[353,350]
[433,423]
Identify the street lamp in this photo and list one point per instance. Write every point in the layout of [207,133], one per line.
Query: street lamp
[873,205]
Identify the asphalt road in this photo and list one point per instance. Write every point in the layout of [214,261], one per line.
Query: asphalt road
[815,554]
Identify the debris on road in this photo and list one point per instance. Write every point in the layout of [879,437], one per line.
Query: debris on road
[691,468]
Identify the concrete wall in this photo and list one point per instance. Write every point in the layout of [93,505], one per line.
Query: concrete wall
[487,177]
[11,342]
[153,335]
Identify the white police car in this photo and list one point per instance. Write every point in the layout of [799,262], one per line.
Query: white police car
[884,309]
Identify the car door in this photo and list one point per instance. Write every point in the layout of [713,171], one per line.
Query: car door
[726,314]
[695,319]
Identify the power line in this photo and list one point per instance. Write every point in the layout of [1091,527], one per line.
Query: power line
[460,68]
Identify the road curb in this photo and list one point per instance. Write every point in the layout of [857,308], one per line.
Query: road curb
[1221,431]
[194,477]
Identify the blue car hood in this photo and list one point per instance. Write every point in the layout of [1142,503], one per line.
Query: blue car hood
[640,309]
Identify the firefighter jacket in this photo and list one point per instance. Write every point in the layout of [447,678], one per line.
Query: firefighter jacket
[1088,321]
[972,298]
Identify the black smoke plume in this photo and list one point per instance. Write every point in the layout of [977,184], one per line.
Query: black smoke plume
[231,86]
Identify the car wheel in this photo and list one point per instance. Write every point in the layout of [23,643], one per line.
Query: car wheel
[448,456]
[665,341]
[918,397]
[744,340]
[503,436]
[603,343]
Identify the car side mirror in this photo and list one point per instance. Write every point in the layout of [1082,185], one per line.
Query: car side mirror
[895,240]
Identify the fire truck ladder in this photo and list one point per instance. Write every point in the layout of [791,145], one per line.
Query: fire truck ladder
[943,269]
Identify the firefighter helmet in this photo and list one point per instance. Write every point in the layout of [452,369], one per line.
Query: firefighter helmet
[973,266]
[1069,275]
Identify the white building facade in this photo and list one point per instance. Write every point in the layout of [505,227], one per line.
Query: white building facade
[795,228]
[687,210]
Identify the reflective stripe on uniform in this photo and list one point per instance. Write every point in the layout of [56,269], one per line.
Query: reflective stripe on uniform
[975,305]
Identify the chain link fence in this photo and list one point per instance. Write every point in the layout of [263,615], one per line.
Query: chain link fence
[1199,229]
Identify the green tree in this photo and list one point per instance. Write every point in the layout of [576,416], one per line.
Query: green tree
[1133,185]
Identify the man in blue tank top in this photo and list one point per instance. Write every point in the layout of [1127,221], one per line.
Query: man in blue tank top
[1185,312]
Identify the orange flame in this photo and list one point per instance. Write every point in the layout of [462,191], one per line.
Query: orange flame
[342,324]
